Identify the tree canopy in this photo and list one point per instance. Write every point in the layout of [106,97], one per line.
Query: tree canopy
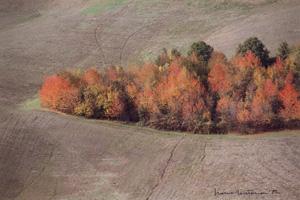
[283,50]
[201,50]
[187,93]
[256,46]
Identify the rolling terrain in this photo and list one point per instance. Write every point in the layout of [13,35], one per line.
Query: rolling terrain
[45,155]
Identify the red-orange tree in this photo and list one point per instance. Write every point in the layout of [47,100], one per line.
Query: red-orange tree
[58,94]
[291,105]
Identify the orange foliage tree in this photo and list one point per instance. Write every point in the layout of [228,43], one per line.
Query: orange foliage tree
[117,108]
[91,76]
[58,94]
[291,105]
[180,96]
[219,80]
[217,58]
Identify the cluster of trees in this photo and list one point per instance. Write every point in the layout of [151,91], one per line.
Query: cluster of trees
[201,93]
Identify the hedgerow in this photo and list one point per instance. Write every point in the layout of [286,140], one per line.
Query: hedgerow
[198,93]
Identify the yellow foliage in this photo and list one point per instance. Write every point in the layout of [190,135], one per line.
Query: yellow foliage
[85,109]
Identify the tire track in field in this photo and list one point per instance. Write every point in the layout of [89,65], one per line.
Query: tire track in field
[204,153]
[158,23]
[130,36]
[99,45]
[154,27]
[164,169]
[143,28]
[98,39]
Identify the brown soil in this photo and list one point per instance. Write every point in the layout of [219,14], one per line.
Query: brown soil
[45,155]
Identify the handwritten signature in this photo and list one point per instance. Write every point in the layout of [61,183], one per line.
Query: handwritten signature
[247,192]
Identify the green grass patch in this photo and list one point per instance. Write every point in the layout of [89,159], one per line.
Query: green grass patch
[242,6]
[103,6]
[290,133]
[213,5]
[31,104]
[29,17]
[229,5]
[134,126]
[197,26]
[202,3]
[270,2]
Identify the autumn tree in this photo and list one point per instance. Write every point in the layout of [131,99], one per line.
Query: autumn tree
[242,72]
[117,108]
[93,101]
[57,93]
[216,58]
[91,76]
[272,96]
[149,76]
[181,97]
[74,78]
[112,74]
[163,58]
[291,105]
[218,79]
[261,106]
[227,113]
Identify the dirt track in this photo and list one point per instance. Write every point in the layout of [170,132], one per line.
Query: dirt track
[44,155]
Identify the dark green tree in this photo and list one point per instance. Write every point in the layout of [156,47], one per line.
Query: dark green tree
[256,46]
[199,55]
[283,50]
[175,53]
[202,50]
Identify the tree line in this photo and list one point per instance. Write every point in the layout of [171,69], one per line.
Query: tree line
[202,92]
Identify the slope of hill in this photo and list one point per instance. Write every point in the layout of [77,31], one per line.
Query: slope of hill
[48,156]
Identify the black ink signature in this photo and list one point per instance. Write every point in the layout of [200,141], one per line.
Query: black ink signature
[247,192]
